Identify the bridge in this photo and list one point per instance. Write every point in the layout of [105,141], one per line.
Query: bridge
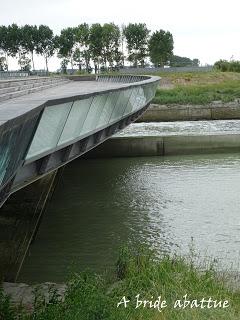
[47,122]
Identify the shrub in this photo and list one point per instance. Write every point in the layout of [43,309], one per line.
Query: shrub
[224,65]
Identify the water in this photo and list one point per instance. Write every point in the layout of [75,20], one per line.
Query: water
[182,128]
[161,201]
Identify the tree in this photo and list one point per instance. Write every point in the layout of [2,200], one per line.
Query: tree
[177,61]
[24,62]
[224,65]
[64,64]
[96,44]
[196,62]
[14,37]
[82,53]
[4,46]
[221,65]
[136,35]
[10,41]
[3,64]
[15,42]
[65,44]
[160,47]
[30,38]
[122,40]
[46,43]
[110,42]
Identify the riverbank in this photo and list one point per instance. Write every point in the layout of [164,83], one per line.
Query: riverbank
[199,94]
[198,88]
[216,110]
[193,79]
[173,286]
[195,96]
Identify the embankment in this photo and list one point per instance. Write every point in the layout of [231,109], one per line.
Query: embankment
[216,110]
[166,145]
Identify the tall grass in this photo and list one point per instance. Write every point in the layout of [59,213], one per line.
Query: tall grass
[95,297]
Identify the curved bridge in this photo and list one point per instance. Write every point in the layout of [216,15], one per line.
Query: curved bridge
[44,130]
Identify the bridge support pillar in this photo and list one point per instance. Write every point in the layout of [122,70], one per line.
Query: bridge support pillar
[20,217]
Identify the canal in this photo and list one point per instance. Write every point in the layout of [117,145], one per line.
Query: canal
[168,203]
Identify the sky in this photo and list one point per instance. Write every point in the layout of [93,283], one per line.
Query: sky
[208,29]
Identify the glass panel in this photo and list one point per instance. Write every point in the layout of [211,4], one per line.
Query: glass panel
[155,88]
[143,97]
[137,100]
[49,128]
[13,146]
[5,148]
[121,104]
[126,98]
[22,142]
[94,113]
[75,120]
[9,146]
[131,101]
[140,100]
[147,92]
[108,109]
[152,91]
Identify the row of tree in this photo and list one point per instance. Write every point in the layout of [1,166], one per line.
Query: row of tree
[101,45]
[23,41]
[177,61]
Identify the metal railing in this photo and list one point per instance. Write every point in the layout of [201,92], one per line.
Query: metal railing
[148,70]
[13,74]
[22,74]
[121,78]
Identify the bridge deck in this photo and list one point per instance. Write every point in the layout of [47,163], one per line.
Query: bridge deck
[15,107]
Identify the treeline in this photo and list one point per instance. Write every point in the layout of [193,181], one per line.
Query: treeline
[224,65]
[176,61]
[85,45]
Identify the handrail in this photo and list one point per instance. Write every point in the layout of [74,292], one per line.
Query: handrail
[13,74]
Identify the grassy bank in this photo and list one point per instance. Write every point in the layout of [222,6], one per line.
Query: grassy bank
[204,94]
[199,78]
[199,88]
[95,297]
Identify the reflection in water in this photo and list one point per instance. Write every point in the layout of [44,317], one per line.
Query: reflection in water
[162,201]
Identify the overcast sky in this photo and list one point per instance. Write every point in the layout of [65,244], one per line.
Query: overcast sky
[207,29]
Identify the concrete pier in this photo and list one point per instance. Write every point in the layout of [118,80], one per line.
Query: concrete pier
[167,145]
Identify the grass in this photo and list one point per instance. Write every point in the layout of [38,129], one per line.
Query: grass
[204,94]
[200,78]
[94,297]
[199,88]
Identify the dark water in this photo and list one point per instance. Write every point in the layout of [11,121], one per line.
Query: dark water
[164,202]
